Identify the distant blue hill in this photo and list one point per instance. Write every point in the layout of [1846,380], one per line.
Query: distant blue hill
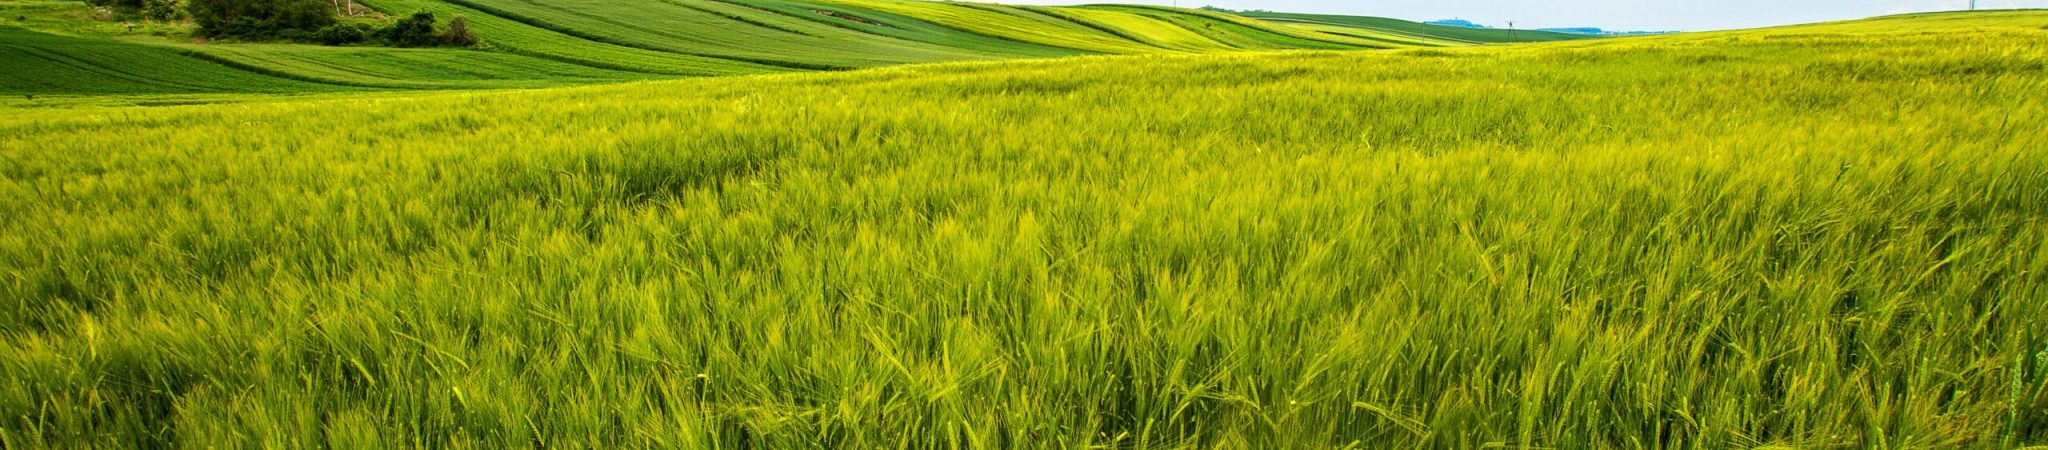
[1584,30]
[1460,23]
[1599,32]
[1589,31]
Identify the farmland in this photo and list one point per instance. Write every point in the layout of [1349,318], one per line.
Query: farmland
[1346,24]
[1805,237]
[532,44]
[55,65]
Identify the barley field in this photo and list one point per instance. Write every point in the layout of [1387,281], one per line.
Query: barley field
[70,52]
[1827,236]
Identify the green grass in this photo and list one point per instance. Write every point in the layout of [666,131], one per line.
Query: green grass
[1815,237]
[1201,31]
[73,18]
[518,34]
[1371,35]
[1274,35]
[1148,30]
[412,68]
[721,30]
[1007,22]
[504,65]
[531,44]
[41,64]
[1416,29]
[903,27]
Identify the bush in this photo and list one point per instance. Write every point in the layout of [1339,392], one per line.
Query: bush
[458,34]
[414,31]
[244,28]
[259,19]
[342,34]
[163,10]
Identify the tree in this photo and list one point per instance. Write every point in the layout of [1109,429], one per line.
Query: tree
[259,19]
[342,34]
[414,31]
[163,10]
[458,34]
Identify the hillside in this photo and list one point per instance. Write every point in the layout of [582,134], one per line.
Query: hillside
[1340,24]
[1827,236]
[532,43]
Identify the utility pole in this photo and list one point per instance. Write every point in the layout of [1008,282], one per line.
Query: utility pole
[1511,33]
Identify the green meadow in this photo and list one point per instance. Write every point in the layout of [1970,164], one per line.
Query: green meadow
[539,44]
[1111,227]
[1344,25]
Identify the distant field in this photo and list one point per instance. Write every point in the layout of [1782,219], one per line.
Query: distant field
[534,43]
[38,63]
[1417,29]
[1829,236]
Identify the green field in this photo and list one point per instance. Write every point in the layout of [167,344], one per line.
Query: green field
[1323,22]
[47,64]
[533,44]
[1821,236]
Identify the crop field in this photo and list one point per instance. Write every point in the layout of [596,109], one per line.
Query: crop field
[1278,35]
[1152,31]
[1236,32]
[519,35]
[1827,236]
[412,68]
[1007,22]
[1404,39]
[1403,27]
[903,27]
[531,44]
[719,30]
[46,64]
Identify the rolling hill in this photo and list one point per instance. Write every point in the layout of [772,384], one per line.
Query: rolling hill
[1341,24]
[533,43]
[1824,236]
[45,64]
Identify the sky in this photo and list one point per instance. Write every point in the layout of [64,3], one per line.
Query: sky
[1658,15]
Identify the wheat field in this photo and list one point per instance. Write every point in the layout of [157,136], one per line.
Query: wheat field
[1808,237]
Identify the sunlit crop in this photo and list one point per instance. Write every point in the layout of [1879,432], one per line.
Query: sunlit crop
[1818,237]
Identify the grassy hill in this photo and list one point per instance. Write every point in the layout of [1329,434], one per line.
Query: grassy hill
[44,64]
[534,43]
[1340,24]
[1804,237]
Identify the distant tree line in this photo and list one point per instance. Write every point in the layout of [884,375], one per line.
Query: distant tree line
[311,21]
[416,30]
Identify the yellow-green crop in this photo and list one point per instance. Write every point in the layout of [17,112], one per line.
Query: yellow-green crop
[1807,237]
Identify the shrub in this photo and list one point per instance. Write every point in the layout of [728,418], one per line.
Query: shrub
[259,19]
[458,34]
[342,34]
[163,10]
[414,31]
[294,35]
[244,28]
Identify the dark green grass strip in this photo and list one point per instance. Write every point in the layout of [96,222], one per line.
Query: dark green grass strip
[897,21]
[542,24]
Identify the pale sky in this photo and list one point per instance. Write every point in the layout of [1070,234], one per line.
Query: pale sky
[1662,15]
